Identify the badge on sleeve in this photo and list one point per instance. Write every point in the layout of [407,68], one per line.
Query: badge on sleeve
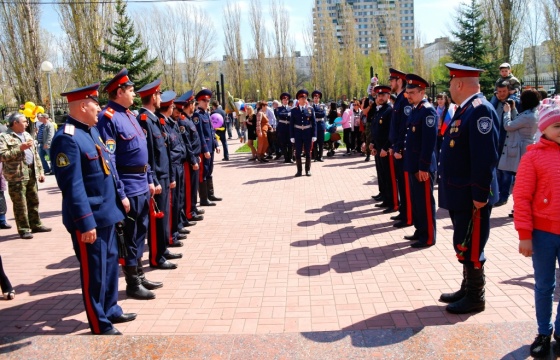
[195,119]
[111,145]
[182,129]
[62,160]
[484,125]
[407,110]
[430,121]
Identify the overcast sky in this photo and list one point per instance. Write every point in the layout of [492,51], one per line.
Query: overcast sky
[432,18]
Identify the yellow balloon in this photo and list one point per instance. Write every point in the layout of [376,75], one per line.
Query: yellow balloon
[21,111]
[27,112]
[29,105]
[40,110]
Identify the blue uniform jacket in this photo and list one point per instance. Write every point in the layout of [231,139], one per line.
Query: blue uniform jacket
[201,120]
[380,125]
[188,131]
[307,118]
[176,145]
[401,110]
[469,156]
[86,177]
[320,113]
[158,156]
[421,136]
[127,144]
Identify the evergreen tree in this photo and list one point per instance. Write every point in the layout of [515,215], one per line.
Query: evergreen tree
[472,47]
[126,50]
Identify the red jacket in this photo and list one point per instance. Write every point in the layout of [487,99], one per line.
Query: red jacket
[537,190]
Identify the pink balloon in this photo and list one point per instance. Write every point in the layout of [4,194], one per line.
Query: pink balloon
[217,120]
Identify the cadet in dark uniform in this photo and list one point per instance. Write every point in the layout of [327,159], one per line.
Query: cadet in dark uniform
[420,161]
[90,208]
[283,128]
[320,117]
[201,119]
[303,130]
[177,152]
[401,110]
[467,183]
[381,114]
[191,162]
[126,143]
[158,158]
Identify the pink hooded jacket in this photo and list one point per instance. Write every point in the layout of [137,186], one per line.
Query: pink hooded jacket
[536,193]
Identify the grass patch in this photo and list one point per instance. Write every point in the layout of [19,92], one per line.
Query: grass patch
[245,147]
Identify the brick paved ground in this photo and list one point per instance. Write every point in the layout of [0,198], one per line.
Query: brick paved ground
[284,267]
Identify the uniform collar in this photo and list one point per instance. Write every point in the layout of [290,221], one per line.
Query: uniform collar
[77,123]
[469,99]
[115,106]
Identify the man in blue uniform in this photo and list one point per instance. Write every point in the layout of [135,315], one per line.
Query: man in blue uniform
[380,115]
[397,132]
[303,130]
[126,143]
[191,162]
[467,183]
[420,161]
[158,158]
[320,117]
[201,119]
[283,128]
[90,208]
[177,152]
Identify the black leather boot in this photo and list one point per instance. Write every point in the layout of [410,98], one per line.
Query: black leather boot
[473,301]
[288,155]
[150,285]
[308,166]
[211,196]
[457,295]
[134,287]
[298,164]
[203,194]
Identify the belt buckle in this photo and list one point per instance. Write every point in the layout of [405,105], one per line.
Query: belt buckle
[145,168]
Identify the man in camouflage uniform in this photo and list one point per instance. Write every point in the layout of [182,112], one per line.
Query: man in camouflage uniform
[22,168]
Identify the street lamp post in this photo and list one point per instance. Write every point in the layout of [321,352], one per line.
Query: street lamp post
[47,68]
[258,98]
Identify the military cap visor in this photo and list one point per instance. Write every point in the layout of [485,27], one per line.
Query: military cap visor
[185,98]
[83,93]
[458,71]
[285,95]
[149,89]
[167,98]
[301,93]
[414,81]
[382,89]
[396,74]
[121,79]
[204,94]
[317,92]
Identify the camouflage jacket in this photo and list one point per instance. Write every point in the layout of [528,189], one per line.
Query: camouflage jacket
[14,168]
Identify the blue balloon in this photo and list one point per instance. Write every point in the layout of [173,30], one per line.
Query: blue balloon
[338,120]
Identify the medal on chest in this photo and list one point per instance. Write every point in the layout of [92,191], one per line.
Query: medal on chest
[455,126]
[414,129]
[452,143]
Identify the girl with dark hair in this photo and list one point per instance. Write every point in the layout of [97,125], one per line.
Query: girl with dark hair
[251,125]
[444,117]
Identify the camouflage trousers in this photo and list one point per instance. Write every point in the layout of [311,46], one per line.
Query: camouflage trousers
[25,198]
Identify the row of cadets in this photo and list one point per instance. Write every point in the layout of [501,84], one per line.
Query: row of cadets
[303,130]
[320,116]
[201,119]
[158,158]
[282,114]
[379,116]
[127,145]
[183,112]
[91,207]
[420,161]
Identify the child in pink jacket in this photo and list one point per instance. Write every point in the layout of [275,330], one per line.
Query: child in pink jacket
[537,220]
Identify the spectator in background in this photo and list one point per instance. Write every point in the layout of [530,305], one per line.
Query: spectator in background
[7,290]
[263,127]
[251,124]
[506,75]
[347,119]
[356,132]
[45,133]
[217,109]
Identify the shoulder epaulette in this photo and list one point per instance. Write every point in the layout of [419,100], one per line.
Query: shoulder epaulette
[109,112]
[144,117]
[69,129]
[427,105]
[162,121]
[476,102]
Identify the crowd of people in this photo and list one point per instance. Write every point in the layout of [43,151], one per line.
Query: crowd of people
[126,178]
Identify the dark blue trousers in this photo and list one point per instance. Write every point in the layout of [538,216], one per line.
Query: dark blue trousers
[99,274]
[505,179]
[136,228]
[405,210]
[176,203]
[158,236]
[424,209]
[471,229]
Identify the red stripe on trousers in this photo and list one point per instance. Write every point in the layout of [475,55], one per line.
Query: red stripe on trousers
[475,240]
[201,168]
[153,234]
[407,196]
[429,212]
[394,190]
[85,280]
[188,198]
[171,215]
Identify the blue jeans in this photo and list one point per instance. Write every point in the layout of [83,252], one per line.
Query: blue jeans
[44,162]
[546,251]
[505,179]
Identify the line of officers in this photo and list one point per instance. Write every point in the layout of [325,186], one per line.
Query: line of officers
[127,178]
[403,139]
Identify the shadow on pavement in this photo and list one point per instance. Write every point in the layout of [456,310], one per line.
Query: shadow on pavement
[65,281]
[71,262]
[252,182]
[346,235]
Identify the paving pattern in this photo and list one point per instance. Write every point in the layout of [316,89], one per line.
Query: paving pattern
[283,268]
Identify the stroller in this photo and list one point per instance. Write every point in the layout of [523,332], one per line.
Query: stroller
[332,139]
